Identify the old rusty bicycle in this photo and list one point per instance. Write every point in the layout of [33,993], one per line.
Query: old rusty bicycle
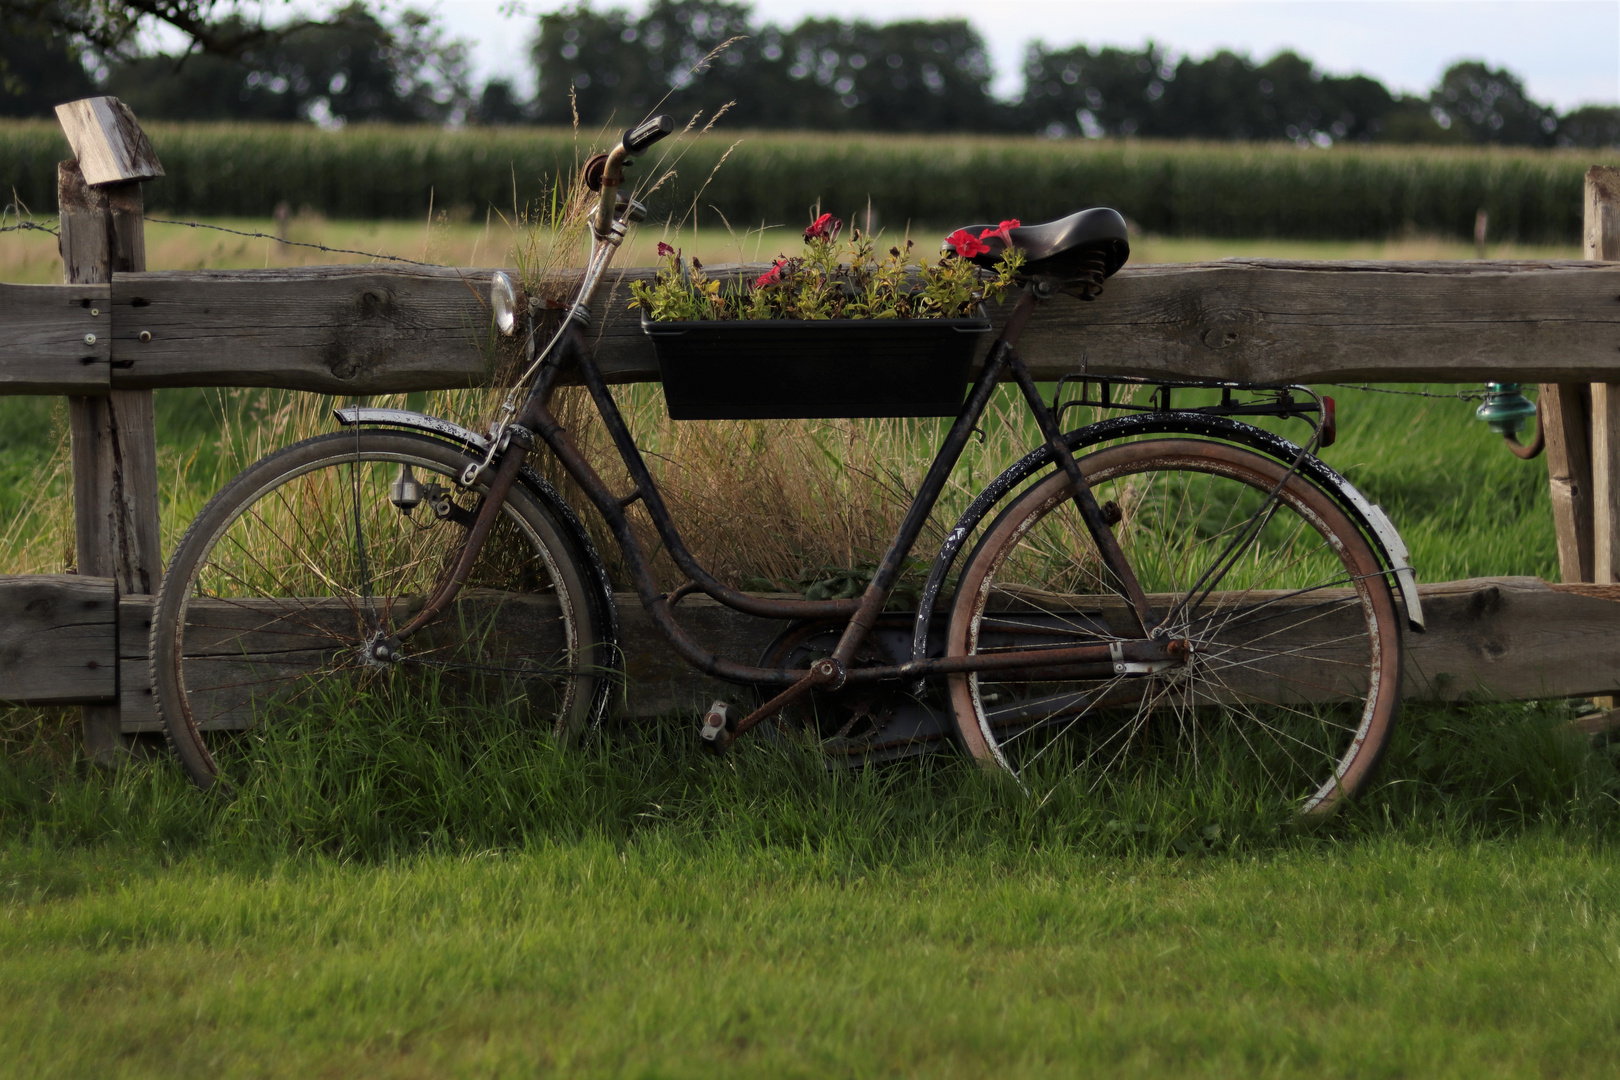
[1171,589]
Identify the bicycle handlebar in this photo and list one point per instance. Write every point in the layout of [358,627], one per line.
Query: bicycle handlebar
[633,141]
[649,131]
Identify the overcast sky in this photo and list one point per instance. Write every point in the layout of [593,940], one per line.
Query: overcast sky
[1568,51]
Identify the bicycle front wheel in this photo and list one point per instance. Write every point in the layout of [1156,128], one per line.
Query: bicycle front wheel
[280,592]
[1293,668]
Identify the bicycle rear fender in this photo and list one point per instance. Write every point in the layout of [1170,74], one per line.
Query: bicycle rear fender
[549,497]
[1380,531]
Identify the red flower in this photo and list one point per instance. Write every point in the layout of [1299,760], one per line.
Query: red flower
[772,276]
[664,249]
[966,244]
[825,228]
[1004,230]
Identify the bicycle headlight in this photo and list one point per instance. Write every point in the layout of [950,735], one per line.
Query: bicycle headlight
[503,302]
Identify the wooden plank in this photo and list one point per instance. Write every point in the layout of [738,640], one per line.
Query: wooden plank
[1513,639]
[108,141]
[1284,321]
[136,711]
[658,682]
[1602,242]
[1605,432]
[1489,639]
[57,339]
[251,639]
[1566,422]
[57,639]
[345,330]
[1273,321]
[360,330]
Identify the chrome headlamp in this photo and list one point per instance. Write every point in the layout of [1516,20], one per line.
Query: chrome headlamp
[503,303]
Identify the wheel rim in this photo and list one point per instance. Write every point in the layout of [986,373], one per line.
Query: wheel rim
[282,604]
[1292,681]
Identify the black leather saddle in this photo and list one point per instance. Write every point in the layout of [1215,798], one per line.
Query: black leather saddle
[1071,248]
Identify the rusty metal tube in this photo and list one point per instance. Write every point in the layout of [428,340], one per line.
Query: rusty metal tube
[500,486]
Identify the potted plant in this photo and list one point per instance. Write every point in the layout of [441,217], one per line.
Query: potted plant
[833,332]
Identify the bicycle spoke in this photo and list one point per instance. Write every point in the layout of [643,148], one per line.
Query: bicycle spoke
[1272,588]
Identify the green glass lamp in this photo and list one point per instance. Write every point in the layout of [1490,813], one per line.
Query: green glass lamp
[1505,409]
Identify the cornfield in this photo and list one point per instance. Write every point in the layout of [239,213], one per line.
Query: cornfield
[1183,189]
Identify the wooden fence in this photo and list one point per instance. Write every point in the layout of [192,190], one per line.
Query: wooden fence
[114,332]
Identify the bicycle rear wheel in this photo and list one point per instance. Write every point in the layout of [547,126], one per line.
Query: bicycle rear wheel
[1293,679]
[278,595]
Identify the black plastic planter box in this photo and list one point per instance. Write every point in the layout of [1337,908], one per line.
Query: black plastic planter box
[794,369]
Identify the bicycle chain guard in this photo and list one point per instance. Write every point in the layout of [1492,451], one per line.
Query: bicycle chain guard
[863,723]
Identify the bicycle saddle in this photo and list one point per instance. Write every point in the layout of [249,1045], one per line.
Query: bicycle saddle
[1086,246]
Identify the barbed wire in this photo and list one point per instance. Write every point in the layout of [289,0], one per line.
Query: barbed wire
[1461,395]
[294,243]
[17,209]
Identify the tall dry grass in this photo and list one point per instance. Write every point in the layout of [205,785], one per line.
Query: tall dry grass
[766,504]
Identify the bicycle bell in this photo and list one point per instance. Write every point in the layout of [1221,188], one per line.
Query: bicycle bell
[503,302]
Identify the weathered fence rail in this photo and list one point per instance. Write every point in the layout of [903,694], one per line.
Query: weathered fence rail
[116,332]
[368,330]
[76,640]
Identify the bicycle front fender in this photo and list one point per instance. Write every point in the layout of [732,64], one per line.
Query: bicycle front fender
[1380,531]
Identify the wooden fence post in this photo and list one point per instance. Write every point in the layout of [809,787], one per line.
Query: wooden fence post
[1582,426]
[1565,420]
[1602,241]
[115,492]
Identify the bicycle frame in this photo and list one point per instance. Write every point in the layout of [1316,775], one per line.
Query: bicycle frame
[861,612]
[569,353]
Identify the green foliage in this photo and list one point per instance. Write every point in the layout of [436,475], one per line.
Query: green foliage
[608,66]
[354,68]
[37,70]
[1490,105]
[829,282]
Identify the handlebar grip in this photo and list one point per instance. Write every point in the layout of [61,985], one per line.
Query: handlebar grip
[647,132]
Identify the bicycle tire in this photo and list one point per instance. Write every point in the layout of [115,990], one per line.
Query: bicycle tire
[269,600]
[1294,677]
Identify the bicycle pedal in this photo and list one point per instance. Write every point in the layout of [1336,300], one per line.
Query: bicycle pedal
[714,725]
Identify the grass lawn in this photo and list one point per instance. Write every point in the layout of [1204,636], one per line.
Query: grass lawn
[440,897]
[425,902]
[1392,957]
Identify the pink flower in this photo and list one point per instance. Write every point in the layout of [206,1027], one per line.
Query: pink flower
[1004,230]
[825,228]
[966,244]
[664,250]
[772,276]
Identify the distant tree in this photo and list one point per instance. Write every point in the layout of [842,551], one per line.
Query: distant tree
[498,104]
[1080,91]
[678,39]
[1413,120]
[905,76]
[1223,96]
[578,55]
[1490,105]
[216,27]
[1590,126]
[39,69]
[608,65]
[823,73]
[353,69]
